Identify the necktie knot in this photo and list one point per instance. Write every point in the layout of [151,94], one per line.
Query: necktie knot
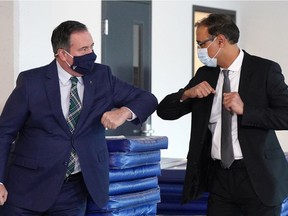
[225,73]
[74,80]
[226,82]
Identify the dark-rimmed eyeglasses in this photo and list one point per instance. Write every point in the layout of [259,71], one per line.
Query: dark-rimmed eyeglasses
[201,43]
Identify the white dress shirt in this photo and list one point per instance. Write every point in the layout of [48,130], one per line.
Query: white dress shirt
[65,87]
[215,118]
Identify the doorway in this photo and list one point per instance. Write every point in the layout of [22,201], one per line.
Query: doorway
[126,48]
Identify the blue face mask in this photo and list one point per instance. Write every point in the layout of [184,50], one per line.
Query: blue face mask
[83,64]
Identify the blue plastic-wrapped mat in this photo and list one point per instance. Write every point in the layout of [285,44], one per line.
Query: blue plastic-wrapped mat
[142,210]
[171,185]
[172,170]
[123,160]
[134,173]
[136,143]
[180,213]
[175,188]
[284,211]
[130,200]
[172,201]
[193,208]
[132,186]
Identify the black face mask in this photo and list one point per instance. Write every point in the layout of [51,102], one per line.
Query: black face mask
[83,64]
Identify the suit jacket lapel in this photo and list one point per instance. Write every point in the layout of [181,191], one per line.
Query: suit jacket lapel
[246,72]
[53,95]
[212,80]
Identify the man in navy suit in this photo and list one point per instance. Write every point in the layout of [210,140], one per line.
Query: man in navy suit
[33,172]
[257,181]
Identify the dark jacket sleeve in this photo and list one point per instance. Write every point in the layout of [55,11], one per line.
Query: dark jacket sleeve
[268,108]
[171,107]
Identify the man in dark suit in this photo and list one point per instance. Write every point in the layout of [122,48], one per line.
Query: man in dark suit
[34,119]
[257,181]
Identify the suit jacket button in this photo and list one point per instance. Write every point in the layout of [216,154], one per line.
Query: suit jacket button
[66,163]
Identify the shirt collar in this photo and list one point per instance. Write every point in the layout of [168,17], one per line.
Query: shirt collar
[64,76]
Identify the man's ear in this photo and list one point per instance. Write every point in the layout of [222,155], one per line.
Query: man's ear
[62,55]
[221,40]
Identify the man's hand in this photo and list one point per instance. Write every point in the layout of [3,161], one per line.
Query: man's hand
[201,90]
[233,102]
[3,194]
[113,119]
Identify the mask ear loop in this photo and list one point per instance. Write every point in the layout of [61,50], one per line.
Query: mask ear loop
[70,56]
[217,51]
[68,53]
[57,54]
[211,43]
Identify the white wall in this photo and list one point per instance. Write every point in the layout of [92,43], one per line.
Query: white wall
[37,20]
[27,44]
[7,48]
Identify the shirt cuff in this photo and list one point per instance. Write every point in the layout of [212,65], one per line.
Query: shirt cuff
[133,115]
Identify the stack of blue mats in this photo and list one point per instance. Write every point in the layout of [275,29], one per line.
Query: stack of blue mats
[171,183]
[133,175]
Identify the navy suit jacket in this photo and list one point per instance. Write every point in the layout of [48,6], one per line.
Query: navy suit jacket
[33,120]
[265,96]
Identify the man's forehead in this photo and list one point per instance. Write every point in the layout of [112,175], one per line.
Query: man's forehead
[80,39]
[202,32]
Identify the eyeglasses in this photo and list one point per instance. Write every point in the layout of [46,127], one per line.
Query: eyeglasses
[201,43]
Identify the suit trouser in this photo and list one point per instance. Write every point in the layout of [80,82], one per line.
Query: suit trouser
[232,194]
[71,201]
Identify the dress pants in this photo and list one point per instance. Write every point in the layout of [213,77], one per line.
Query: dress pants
[71,201]
[232,194]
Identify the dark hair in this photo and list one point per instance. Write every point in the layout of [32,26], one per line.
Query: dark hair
[61,35]
[221,24]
